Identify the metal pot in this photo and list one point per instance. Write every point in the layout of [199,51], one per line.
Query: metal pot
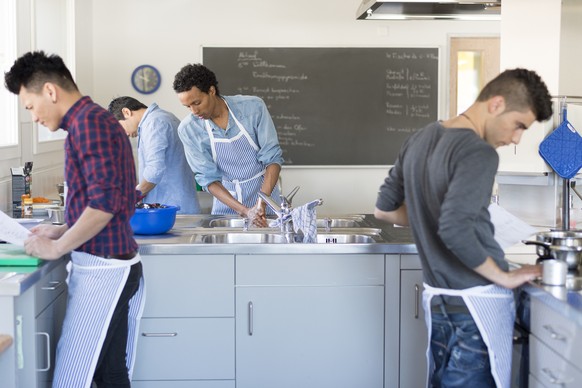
[570,238]
[570,254]
[56,214]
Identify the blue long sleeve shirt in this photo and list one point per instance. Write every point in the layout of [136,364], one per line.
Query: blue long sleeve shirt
[252,113]
[162,161]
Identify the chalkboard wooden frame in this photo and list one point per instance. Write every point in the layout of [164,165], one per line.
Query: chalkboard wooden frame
[335,106]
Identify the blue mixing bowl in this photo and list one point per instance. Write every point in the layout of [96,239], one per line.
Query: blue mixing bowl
[154,221]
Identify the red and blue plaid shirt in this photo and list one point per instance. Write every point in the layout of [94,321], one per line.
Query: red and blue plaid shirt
[100,173]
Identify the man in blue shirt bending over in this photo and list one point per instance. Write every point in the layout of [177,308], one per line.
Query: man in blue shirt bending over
[164,174]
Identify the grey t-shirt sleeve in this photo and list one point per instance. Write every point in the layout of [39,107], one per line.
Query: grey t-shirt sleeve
[464,218]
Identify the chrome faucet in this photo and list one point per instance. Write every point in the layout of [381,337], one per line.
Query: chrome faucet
[283,212]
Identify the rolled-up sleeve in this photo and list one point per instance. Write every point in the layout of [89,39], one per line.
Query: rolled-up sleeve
[269,149]
[198,152]
[99,149]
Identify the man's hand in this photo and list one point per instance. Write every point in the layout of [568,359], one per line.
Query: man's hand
[526,273]
[510,279]
[52,232]
[42,247]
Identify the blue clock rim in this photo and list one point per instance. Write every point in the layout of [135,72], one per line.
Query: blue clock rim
[155,71]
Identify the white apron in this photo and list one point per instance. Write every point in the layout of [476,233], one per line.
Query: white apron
[95,285]
[242,171]
[493,309]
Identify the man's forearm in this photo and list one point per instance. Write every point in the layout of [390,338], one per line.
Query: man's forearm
[91,222]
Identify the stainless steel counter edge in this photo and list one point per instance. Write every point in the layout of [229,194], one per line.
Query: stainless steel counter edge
[146,248]
[566,303]
[18,283]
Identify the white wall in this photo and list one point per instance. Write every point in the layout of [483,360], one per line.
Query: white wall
[170,33]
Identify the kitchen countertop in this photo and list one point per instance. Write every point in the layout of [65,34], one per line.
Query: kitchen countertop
[397,240]
[16,280]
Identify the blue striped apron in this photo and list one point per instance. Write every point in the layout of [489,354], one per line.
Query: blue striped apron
[493,309]
[243,174]
[95,285]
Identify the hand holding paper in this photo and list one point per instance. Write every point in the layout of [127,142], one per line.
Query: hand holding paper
[11,231]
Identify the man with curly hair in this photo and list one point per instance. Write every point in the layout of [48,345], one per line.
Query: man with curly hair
[230,143]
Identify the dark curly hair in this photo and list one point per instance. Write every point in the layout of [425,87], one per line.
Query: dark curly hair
[522,89]
[34,69]
[117,104]
[195,75]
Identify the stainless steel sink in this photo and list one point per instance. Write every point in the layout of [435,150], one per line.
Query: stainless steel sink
[324,238]
[347,222]
[252,237]
[241,238]
[227,223]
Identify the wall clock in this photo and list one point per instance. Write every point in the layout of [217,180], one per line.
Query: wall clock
[146,79]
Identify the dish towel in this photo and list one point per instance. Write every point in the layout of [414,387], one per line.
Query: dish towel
[305,219]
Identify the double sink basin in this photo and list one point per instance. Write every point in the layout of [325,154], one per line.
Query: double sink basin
[351,229]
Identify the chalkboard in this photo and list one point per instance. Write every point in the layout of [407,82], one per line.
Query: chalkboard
[335,106]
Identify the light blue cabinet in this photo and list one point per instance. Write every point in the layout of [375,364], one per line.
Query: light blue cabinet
[413,331]
[405,332]
[187,330]
[555,348]
[309,321]
[34,319]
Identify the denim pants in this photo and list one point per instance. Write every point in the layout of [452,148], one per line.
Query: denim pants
[460,355]
[111,371]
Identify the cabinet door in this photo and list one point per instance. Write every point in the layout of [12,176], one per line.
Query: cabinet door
[413,331]
[185,349]
[189,286]
[48,331]
[309,337]
[550,368]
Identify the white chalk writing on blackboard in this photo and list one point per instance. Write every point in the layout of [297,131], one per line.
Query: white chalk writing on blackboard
[323,99]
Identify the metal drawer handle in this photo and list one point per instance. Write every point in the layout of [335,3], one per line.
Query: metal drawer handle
[553,379]
[53,285]
[174,334]
[250,318]
[554,334]
[416,296]
[48,352]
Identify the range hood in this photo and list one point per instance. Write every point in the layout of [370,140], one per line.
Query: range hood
[428,10]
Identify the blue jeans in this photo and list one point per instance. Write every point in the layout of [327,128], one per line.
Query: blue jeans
[460,355]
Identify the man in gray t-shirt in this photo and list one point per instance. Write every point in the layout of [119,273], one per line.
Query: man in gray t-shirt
[441,186]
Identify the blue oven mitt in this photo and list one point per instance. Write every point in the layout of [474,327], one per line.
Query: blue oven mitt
[562,150]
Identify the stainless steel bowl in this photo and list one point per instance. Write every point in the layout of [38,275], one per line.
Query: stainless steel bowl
[56,214]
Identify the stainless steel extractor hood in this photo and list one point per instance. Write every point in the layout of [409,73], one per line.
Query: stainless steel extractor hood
[427,10]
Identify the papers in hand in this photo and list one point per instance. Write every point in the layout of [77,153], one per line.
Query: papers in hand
[11,231]
[509,230]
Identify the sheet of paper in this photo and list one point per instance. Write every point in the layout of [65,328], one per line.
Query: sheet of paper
[11,231]
[509,230]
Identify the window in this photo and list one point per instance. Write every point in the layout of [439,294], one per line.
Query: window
[54,34]
[473,63]
[8,101]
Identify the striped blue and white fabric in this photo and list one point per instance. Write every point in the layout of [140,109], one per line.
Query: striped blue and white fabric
[95,285]
[305,220]
[243,174]
[493,309]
